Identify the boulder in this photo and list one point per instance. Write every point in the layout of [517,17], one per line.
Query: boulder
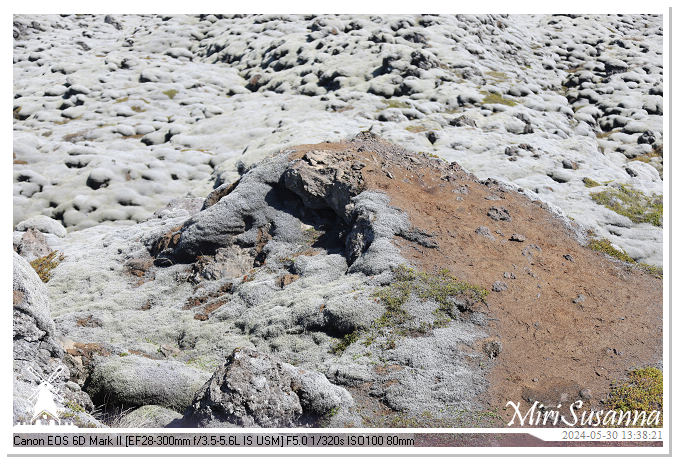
[254,389]
[150,416]
[133,380]
[33,245]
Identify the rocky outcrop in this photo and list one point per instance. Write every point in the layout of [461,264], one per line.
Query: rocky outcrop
[32,245]
[253,389]
[37,352]
[325,180]
[372,287]
[266,209]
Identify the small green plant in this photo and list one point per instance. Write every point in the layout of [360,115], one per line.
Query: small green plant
[496,99]
[344,342]
[171,93]
[73,406]
[441,287]
[605,246]
[590,183]
[643,391]
[631,203]
[655,271]
[123,354]
[46,264]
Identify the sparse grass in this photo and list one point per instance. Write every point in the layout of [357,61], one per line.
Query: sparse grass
[632,204]
[17,161]
[171,93]
[112,416]
[75,135]
[590,183]
[643,391]
[345,341]
[416,129]
[122,100]
[654,158]
[603,135]
[496,99]
[73,406]
[67,120]
[655,271]
[605,246]
[441,287]
[575,69]
[497,75]
[392,103]
[311,235]
[137,109]
[46,264]
[203,364]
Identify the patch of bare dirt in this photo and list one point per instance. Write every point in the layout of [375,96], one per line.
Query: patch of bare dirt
[566,318]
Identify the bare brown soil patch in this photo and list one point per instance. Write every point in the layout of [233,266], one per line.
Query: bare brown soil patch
[567,317]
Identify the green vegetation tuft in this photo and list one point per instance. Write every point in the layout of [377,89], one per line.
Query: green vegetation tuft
[655,271]
[441,287]
[654,158]
[430,155]
[641,392]
[590,183]
[605,246]
[495,99]
[498,76]
[416,129]
[73,406]
[392,103]
[344,342]
[170,93]
[631,203]
[46,264]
